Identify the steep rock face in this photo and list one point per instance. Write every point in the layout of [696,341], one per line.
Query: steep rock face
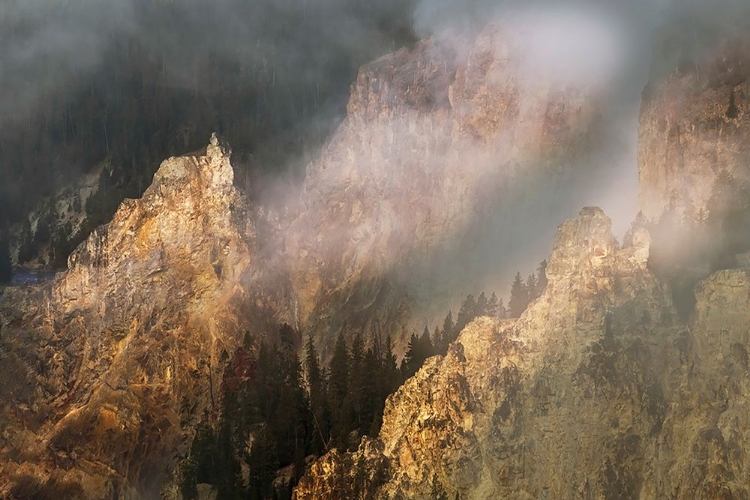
[703,449]
[597,391]
[436,138]
[693,125]
[64,213]
[108,367]
[564,402]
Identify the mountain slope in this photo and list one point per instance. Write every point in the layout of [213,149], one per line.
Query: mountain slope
[432,171]
[597,391]
[105,368]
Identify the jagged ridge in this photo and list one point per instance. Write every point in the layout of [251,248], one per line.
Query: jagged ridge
[597,391]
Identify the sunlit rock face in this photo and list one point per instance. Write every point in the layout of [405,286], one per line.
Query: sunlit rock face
[440,140]
[693,125]
[107,368]
[597,391]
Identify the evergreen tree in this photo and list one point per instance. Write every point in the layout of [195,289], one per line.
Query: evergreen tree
[532,287]
[723,196]
[391,375]
[357,380]
[6,267]
[338,386]
[411,363]
[519,297]
[26,250]
[317,397]
[371,400]
[502,312]
[483,306]
[447,331]
[425,345]
[639,222]
[467,313]
[227,477]
[437,339]
[263,464]
[287,421]
[199,466]
[493,306]
[541,277]
[701,217]
[339,371]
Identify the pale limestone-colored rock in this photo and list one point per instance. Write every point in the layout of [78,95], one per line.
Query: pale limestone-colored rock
[559,403]
[597,391]
[107,368]
[436,137]
[693,125]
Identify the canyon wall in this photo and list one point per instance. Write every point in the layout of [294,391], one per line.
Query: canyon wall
[693,126]
[597,391]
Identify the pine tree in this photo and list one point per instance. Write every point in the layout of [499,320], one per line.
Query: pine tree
[317,397]
[467,313]
[425,345]
[519,297]
[502,312]
[339,371]
[391,375]
[437,337]
[493,306]
[6,267]
[448,331]
[483,306]
[357,377]
[338,386]
[410,363]
[722,198]
[227,477]
[370,400]
[263,464]
[639,222]
[532,287]
[541,277]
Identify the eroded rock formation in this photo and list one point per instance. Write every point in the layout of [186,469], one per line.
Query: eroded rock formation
[108,368]
[439,141]
[105,369]
[597,391]
[694,125]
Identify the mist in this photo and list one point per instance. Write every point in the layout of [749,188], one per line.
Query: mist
[311,50]
[132,82]
[614,48]
[48,45]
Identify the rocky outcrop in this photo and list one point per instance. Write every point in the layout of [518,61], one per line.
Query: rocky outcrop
[61,216]
[597,391]
[107,369]
[693,125]
[438,141]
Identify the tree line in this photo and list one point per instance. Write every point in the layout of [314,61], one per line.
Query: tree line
[274,413]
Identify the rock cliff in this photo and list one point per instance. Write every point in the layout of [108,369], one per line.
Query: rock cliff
[693,125]
[106,369]
[597,391]
[439,142]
